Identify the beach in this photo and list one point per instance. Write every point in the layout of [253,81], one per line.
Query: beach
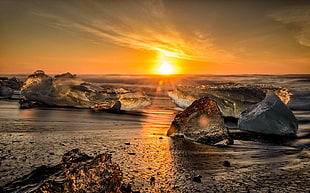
[149,159]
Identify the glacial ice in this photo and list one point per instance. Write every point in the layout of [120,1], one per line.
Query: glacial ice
[232,99]
[77,172]
[7,86]
[5,91]
[270,116]
[202,121]
[68,90]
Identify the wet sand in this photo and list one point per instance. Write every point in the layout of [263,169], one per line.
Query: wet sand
[151,161]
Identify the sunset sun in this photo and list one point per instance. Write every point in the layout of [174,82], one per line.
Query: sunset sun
[166,68]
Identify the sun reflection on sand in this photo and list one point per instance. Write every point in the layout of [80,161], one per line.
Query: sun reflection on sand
[157,157]
[28,114]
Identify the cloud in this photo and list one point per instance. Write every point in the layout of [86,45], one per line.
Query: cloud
[299,18]
[142,25]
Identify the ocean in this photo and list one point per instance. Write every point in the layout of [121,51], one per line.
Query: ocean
[30,138]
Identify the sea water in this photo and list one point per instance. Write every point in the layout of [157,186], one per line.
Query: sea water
[137,140]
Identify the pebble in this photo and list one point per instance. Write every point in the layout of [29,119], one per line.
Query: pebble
[197,179]
[226,163]
[152,180]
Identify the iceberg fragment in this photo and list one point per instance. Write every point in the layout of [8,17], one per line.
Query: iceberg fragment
[231,98]
[202,121]
[70,91]
[77,172]
[7,86]
[5,91]
[270,116]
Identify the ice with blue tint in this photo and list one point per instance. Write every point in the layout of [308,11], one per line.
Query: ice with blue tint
[270,116]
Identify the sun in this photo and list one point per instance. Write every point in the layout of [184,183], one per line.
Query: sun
[166,68]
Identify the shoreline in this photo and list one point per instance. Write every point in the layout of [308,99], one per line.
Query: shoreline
[141,148]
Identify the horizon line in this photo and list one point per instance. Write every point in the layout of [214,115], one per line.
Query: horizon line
[164,75]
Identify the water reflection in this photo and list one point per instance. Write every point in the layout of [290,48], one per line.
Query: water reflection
[190,156]
[154,164]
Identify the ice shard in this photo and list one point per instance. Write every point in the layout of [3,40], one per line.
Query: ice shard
[68,90]
[202,121]
[232,99]
[270,116]
[5,91]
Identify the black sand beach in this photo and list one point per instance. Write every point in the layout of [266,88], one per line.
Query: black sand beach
[149,160]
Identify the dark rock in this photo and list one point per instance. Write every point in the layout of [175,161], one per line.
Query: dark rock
[202,121]
[126,188]
[132,153]
[226,163]
[152,180]
[197,179]
[77,172]
[127,143]
[25,104]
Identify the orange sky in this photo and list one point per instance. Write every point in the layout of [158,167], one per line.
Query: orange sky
[136,37]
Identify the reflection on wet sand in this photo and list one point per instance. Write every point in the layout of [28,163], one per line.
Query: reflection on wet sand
[154,162]
[148,165]
[192,156]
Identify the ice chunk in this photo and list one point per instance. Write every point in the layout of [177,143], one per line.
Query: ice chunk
[77,172]
[232,99]
[202,121]
[132,100]
[70,91]
[5,91]
[14,83]
[7,86]
[270,116]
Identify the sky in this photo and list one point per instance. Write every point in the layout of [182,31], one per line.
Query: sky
[138,36]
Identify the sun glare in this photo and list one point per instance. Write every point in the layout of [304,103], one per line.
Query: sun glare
[165,68]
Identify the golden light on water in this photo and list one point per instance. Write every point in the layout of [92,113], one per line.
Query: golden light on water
[166,68]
